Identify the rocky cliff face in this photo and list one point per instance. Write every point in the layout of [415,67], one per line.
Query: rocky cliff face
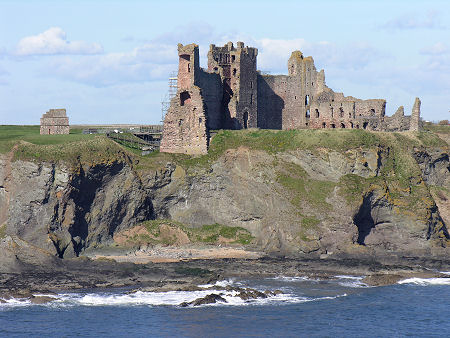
[300,201]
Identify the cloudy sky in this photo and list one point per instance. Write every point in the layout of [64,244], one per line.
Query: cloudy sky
[109,61]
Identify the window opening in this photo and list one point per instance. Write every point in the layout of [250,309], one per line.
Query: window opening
[185,98]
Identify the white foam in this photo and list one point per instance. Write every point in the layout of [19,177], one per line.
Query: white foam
[172,298]
[293,279]
[425,281]
[445,272]
[222,283]
[15,302]
[351,281]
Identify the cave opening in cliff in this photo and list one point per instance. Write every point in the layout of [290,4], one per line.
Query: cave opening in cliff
[363,219]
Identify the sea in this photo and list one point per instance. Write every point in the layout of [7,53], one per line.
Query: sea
[342,306]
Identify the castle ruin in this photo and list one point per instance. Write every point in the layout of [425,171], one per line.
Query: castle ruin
[55,121]
[233,94]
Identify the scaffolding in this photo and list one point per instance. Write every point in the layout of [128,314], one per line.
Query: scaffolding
[173,87]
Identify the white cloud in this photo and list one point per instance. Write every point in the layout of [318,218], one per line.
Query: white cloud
[431,20]
[438,48]
[273,54]
[148,62]
[54,41]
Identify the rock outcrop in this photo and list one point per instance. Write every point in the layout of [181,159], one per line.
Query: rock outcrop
[359,200]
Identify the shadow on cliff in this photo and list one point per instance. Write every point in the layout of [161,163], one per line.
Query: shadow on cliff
[97,215]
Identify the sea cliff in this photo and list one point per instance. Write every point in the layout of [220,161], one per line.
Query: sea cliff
[312,194]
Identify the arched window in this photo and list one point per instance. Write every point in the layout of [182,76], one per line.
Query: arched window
[307,114]
[324,125]
[306,100]
[341,112]
[351,125]
[317,113]
[365,124]
[333,125]
[342,125]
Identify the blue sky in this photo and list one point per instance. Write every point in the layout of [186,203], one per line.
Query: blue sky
[109,61]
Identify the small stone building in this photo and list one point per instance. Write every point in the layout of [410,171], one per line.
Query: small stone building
[232,94]
[55,121]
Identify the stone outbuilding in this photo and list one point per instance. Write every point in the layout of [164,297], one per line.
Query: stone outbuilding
[55,121]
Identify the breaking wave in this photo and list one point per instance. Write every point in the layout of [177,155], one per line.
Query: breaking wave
[170,298]
[426,281]
[351,281]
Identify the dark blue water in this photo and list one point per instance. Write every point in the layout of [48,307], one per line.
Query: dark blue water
[311,309]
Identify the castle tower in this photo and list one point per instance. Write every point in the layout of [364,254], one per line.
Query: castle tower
[185,124]
[237,69]
[188,65]
[415,116]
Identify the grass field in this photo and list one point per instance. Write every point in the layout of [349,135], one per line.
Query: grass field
[89,147]
[11,135]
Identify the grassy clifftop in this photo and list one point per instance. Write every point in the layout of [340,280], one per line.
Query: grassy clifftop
[29,145]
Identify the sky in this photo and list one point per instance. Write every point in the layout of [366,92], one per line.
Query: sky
[109,62]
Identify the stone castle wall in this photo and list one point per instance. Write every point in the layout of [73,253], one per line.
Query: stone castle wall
[55,121]
[232,94]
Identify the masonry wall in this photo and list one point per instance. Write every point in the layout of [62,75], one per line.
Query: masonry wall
[246,86]
[185,128]
[347,113]
[55,121]
[211,91]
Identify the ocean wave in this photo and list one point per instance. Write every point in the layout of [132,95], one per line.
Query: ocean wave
[171,298]
[222,283]
[294,279]
[351,281]
[426,281]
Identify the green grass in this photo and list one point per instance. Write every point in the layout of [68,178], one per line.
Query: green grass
[274,141]
[437,128]
[2,231]
[305,190]
[11,135]
[205,234]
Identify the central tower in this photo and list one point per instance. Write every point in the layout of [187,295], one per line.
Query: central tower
[237,69]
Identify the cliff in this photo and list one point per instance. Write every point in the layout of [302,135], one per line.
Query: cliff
[303,192]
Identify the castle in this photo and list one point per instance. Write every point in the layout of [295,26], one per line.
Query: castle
[233,94]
